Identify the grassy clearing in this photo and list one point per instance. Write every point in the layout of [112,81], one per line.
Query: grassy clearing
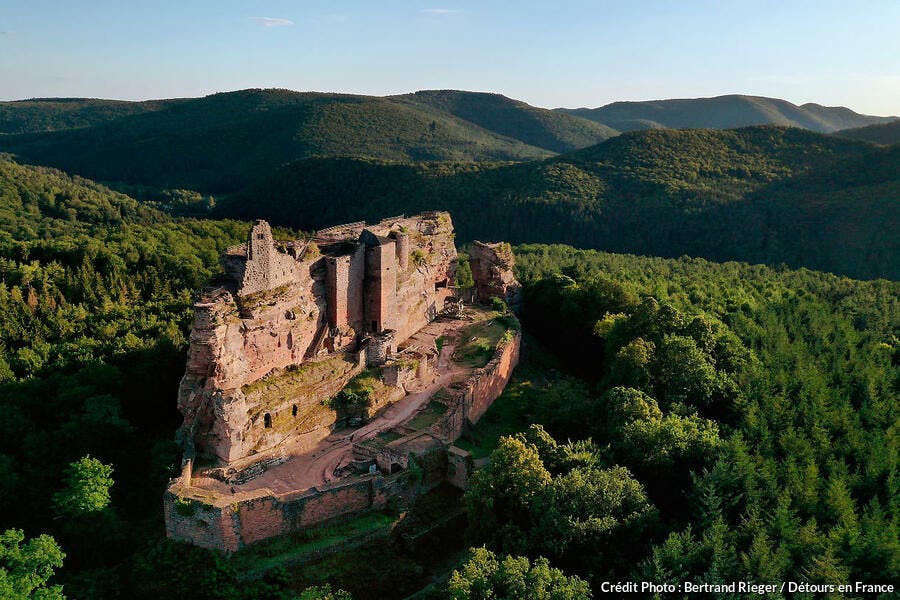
[367,381]
[297,377]
[427,417]
[538,392]
[381,440]
[478,341]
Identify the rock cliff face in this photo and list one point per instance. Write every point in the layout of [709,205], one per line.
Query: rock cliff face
[289,328]
[492,270]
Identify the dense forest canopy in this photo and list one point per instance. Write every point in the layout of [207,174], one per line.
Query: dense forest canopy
[226,141]
[737,423]
[673,419]
[56,114]
[886,134]
[762,194]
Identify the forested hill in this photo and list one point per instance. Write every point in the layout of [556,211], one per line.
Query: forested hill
[724,112]
[224,141]
[55,114]
[885,134]
[763,194]
[539,127]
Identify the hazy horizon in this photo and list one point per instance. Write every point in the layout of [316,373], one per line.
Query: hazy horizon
[570,54]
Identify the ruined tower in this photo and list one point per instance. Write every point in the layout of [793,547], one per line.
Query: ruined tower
[380,282]
[355,295]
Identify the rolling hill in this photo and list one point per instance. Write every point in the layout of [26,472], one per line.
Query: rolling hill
[539,127]
[225,141]
[762,194]
[56,114]
[885,134]
[306,160]
[724,112]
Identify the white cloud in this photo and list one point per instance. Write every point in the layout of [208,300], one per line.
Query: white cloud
[439,11]
[272,21]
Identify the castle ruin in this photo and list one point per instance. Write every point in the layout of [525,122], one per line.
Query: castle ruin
[269,446]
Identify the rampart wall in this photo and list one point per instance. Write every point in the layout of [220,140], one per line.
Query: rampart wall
[231,523]
[472,397]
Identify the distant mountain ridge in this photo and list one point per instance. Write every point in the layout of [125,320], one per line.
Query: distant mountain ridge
[513,118]
[55,114]
[723,112]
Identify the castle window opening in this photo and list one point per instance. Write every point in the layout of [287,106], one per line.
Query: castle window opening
[294,411]
[267,421]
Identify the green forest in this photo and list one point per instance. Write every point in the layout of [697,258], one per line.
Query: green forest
[763,194]
[776,191]
[672,419]
[708,389]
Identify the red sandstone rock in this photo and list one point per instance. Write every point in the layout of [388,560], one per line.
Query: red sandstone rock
[492,270]
[285,306]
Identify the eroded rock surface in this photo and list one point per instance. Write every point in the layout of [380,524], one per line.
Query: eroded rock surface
[492,270]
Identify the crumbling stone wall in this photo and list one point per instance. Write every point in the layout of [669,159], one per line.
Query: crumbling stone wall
[459,467]
[231,523]
[290,329]
[266,268]
[472,397]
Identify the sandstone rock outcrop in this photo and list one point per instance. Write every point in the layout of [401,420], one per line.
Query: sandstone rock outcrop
[290,325]
[492,270]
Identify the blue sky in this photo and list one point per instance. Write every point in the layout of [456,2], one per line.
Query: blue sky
[549,53]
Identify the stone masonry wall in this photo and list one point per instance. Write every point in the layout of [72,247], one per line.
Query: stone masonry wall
[471,398]
[231,523]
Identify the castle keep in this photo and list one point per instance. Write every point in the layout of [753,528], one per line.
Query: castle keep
[270,444]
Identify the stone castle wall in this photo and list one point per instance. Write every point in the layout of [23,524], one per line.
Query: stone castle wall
[294,323]
[230,524]
[285,307]
[471,398]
